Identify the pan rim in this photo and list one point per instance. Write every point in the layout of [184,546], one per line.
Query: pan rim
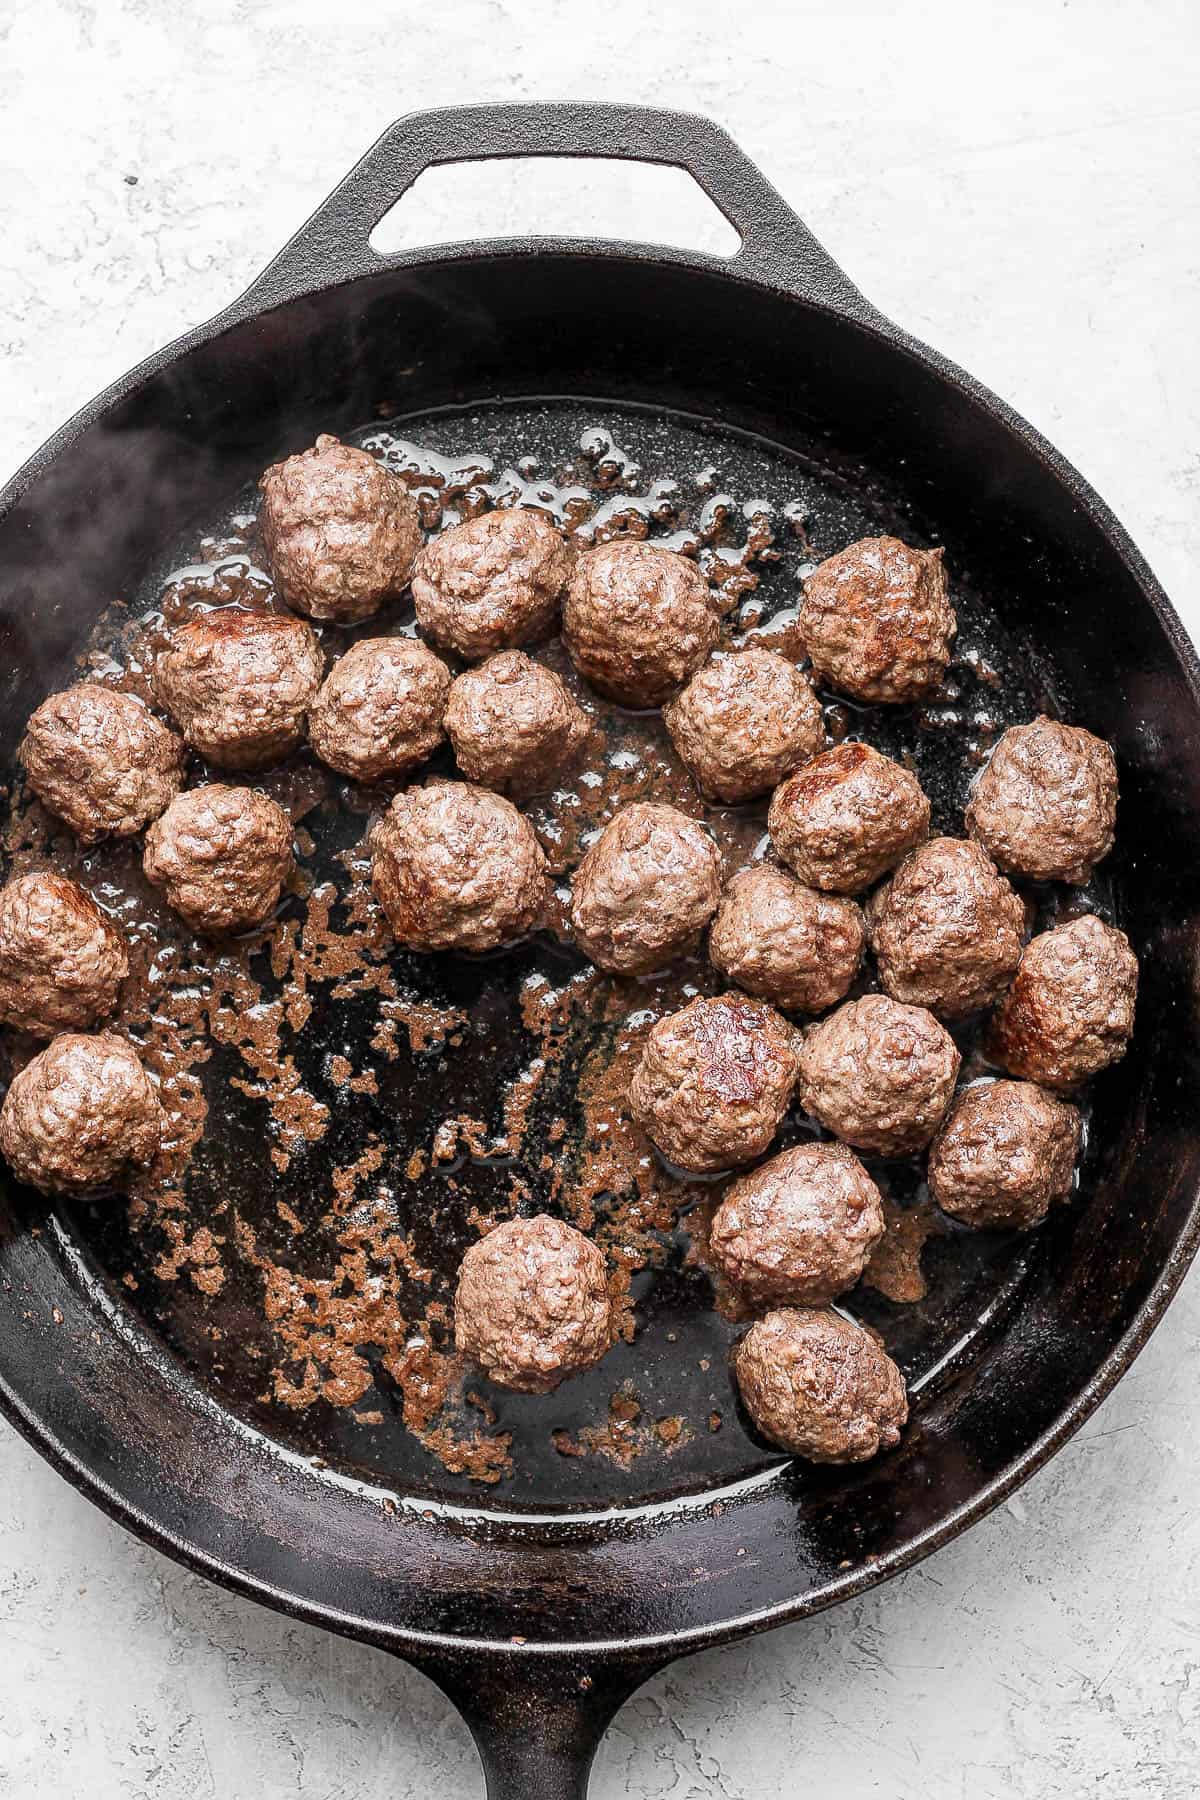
[661,1646]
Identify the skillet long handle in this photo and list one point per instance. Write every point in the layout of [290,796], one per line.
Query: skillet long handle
[537,1723]
[334,244]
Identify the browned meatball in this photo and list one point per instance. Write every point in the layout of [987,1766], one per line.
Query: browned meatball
[847,817]
[645,890]
[101,761]
[714,1082]
[876,620]
[878,1074]
[341,531]
[532,1304]
[61,962]
[820,1386]
[239,684]
[457,867]
[379,710]
[513,725]
[80,1114]
[743,723]
[800,1229]
[638,620]
[947,929]
[1069,1012]
[1046,804]
[221,856]
[789,944]
[1005,1151]
[491,583]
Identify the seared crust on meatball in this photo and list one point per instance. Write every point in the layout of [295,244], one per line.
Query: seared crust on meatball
[221,856]
[238,684]
[100,761]
[799,1230]
[80,1115]
[1069,1012]
[513,725]
[714,1082]
[947,929]
[1005,1151]
[61,962]
[379,710]
[637,620]
[645,890]
[744,722]
[784,942]
[457,867]
[341,531]
[491,582]
[876,620]
[820,1386]
[847,817]
[878,1074]
[532,1304]
[1046,803]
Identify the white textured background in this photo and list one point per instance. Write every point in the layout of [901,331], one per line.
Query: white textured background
[1018,184]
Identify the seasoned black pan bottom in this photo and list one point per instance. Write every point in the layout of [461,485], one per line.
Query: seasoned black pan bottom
[345,1115]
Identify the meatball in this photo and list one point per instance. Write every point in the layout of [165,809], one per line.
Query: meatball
[878,1074]
[80,1114]
[638,620]
[743,723]
[457,867]
[789,944]
[61,962]
[947,929]
[820,1386]
[645,890]
[513,725]
[1046,804]
[1069,1012]
[239,684]
[101,761]
[491,583]
[1005,1151]
[532,1304]
[341,531]
[876,621]
[800,1229]
[221,855]
[714,1082]
[847,817]
[379,710]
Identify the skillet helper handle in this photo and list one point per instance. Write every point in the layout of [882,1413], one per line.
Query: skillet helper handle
[776,247]
[537,1722]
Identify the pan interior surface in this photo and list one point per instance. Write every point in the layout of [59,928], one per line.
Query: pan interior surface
[356,1112]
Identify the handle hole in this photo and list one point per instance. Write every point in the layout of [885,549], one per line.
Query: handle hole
[555,196]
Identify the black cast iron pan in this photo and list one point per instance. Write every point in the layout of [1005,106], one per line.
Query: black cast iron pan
[541,1603]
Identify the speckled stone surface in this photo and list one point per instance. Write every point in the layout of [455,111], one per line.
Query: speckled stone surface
[1017,184]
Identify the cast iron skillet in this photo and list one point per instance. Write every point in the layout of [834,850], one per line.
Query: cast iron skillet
[540,1619]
